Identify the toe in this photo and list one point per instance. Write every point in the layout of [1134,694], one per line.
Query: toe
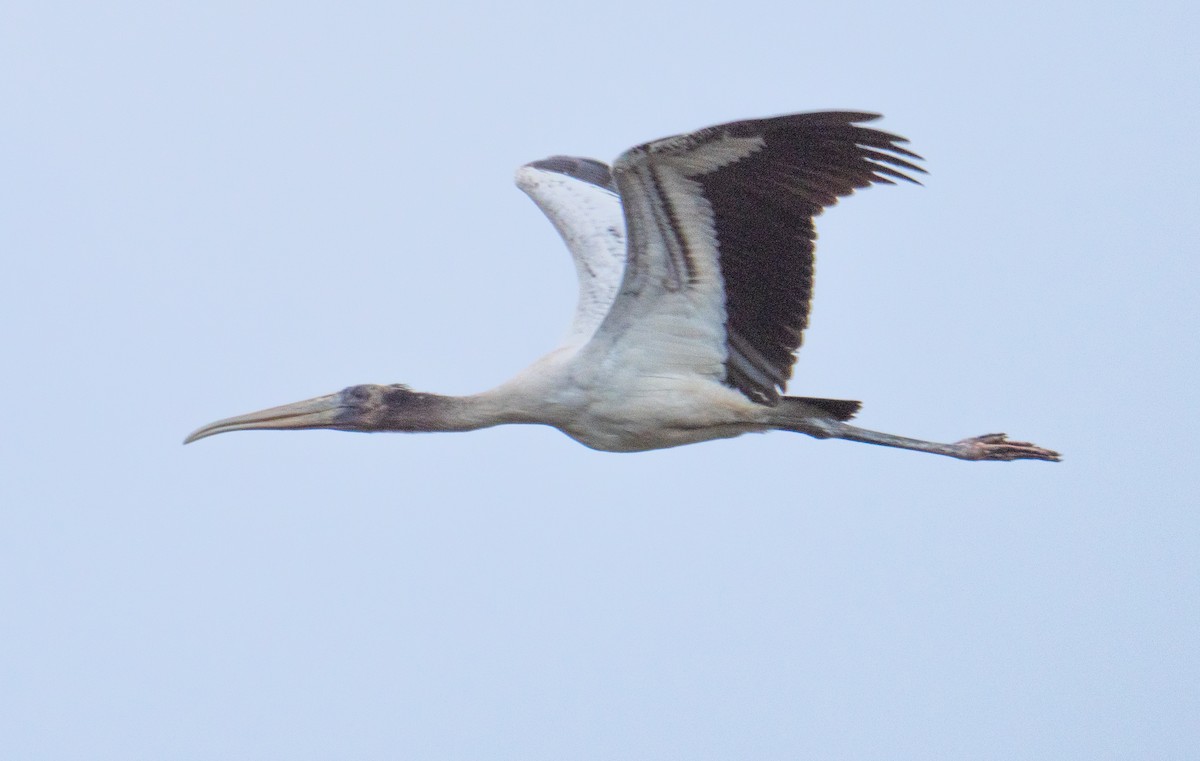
[996,446]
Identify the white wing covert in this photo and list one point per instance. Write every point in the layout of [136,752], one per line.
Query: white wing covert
[578,196]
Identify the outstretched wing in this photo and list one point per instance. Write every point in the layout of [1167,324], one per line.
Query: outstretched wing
[580,199]
[720,256]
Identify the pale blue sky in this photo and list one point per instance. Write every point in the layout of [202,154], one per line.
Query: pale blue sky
[209,208]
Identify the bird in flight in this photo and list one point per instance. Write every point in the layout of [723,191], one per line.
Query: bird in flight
[694,255]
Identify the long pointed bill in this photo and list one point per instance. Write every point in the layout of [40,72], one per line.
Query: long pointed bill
[321,412]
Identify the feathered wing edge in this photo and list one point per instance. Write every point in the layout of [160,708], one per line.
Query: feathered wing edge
[579,198]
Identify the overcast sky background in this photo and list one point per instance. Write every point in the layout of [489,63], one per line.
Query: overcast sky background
[210,208]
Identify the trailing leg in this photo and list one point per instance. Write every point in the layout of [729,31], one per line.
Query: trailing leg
[991,446]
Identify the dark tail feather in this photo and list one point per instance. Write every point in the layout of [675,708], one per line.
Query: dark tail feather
[838,409]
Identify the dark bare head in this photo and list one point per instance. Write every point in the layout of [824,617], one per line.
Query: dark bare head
[367,407]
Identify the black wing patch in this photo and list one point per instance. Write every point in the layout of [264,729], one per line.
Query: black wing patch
[763,207]
[589,170]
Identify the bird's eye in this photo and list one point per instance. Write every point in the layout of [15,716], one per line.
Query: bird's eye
[397,394]
[357,393]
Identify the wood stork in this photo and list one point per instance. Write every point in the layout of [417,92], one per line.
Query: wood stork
[695,258]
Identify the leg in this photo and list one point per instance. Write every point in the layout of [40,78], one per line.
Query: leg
[991,446]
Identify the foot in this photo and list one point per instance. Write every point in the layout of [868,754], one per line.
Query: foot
[994,446]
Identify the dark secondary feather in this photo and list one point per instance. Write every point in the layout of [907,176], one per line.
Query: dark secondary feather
[763,207]
[589,170]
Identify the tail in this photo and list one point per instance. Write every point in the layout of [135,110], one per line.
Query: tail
[838,409]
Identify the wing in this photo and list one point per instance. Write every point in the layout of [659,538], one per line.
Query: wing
[580,199]
[720,255]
